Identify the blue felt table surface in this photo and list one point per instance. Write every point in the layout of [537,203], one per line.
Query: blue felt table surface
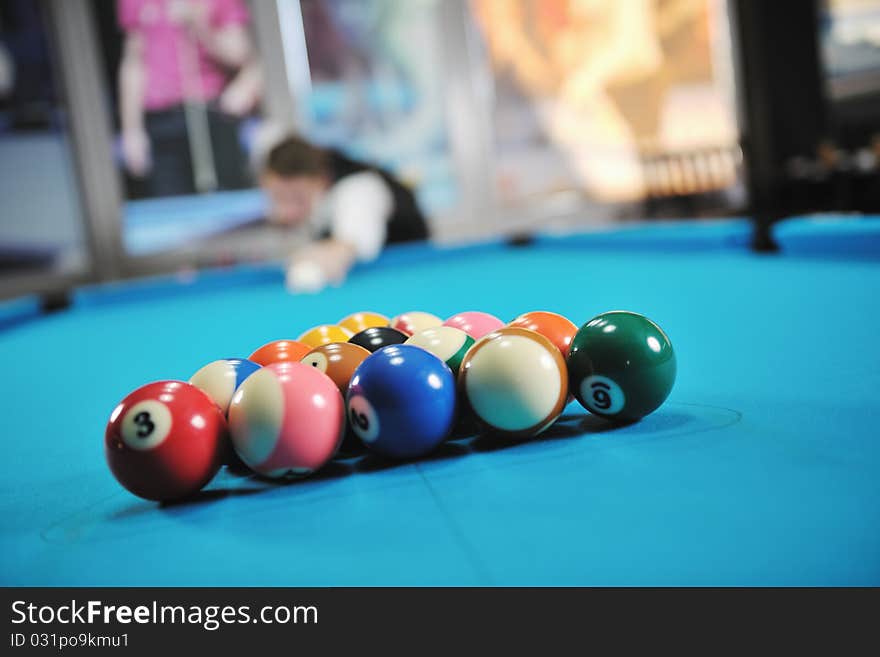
[762,468]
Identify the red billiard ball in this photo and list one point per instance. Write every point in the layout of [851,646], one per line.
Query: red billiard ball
[165,440]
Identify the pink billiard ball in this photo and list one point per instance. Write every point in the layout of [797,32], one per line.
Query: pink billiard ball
[286,419]
[476,324]
[165,440]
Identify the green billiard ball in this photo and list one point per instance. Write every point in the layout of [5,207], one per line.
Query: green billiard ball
[621,366]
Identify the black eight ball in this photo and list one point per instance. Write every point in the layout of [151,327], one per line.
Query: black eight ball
[374,338]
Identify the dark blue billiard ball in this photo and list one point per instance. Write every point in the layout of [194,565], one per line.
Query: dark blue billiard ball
[401,401]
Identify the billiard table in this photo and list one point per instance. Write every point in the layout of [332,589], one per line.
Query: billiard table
[762,467]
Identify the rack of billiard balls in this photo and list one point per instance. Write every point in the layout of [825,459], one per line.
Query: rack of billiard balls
[397,387]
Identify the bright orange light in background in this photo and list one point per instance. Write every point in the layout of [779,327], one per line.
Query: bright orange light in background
[607,83]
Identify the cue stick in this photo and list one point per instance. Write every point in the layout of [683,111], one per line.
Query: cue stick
[195,112]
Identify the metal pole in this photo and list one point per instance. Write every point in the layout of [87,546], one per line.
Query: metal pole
[90,129]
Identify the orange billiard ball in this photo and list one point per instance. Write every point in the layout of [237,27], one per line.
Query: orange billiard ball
[556,328]
[279,351]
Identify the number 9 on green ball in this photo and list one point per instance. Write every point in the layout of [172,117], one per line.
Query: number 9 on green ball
[621,366]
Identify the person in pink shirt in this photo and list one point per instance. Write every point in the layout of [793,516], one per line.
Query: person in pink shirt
[188,74]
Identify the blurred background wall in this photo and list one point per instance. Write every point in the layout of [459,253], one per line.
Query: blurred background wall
[503,115]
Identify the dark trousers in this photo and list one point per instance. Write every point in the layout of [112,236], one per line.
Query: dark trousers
[172,172]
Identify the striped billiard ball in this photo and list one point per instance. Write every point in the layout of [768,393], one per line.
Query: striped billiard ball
[339,361]
[286,419]
[447,343]
[220,379]
[413,321]
[515,382]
